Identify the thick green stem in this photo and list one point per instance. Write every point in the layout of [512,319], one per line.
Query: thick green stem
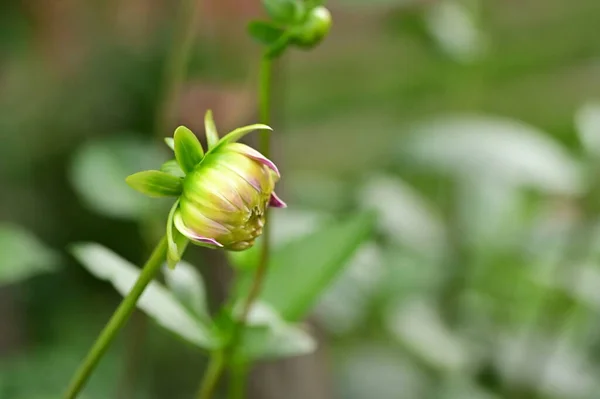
[117,321]
[238,378]
[212,375]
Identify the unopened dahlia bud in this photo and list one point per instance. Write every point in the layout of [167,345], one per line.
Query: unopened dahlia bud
[223,194]
[314,29]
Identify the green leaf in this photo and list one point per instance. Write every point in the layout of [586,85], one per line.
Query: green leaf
[157,302]
[188,150]
[172,167]
[212,136]
[176,241]
[301,270]
[23,255]
[240,132]
[155,183]
[186,283]
[268,336]
[284,11]
[99,168]
[265,32]
[170,142]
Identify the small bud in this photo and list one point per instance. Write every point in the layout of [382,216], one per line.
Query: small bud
[314,29]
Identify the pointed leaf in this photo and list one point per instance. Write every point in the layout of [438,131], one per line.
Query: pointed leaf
[188,150]
[157,302]
[155,183]
[23,255]
[186,283]
[172,167]
[265,32]
[268,336]
[176,242]
[588,127]
[240,132]
[212,136]
[170,142]
[301,270]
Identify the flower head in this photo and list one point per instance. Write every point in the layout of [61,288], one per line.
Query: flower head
[223,194]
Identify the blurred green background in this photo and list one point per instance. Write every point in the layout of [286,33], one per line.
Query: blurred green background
[470,126]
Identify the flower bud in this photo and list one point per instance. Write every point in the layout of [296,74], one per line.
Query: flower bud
[225,197]
[314,29]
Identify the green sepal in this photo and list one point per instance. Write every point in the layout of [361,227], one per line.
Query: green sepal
[188,150]
[172,167]
[240,132]
[176,242]
[265,32]
[284,11]
[212,136]
[169,141]
[276,49]
[155,183]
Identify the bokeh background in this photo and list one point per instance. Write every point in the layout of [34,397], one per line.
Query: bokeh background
[469,126]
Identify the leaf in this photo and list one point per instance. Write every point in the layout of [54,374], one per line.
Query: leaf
[268,336]
[172,167]
[98,171]
[283,11]
[169,141]
[265,32]
[493,148]
[186,283]
[155,183]
[156,301]
[188,150]
[301,270]
[587,121]
[212,135]
[238,133]
[23,255]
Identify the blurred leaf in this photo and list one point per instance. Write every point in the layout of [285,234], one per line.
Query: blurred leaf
[283,11]
[156,301]
[268,336]
[404,214]
[300,271]
[587,121]
[420,328]
[170,142]
[155,183]
[479,147]
[23,255]
[99,169]
[453,25]
[188,150]
[186,283]
[264,32]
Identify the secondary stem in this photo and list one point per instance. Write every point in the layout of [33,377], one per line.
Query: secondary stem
[264,146]
[117,320]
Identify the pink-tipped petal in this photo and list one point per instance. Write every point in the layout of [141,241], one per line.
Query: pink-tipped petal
[255,155]
[276,202]
[183,229]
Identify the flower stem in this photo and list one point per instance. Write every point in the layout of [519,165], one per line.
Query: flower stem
[117,320]
[224,358]
[211,377]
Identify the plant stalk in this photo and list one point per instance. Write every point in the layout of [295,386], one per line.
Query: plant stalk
[264,146]
[117,321]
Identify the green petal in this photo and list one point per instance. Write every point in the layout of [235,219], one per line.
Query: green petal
[170,142]
[188,150]
[212,136]
[240,132]
[154,183]
[172,167]
[176,242]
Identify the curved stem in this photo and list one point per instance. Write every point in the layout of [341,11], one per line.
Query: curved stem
[211,377]
[117,321]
